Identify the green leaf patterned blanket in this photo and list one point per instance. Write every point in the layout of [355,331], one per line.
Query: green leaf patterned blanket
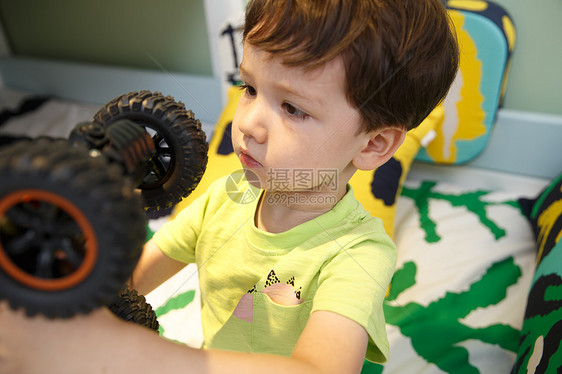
[457,299]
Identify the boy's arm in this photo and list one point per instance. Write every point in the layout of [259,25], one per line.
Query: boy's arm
[330,343]
[333,343]
[153,268]
[99,342]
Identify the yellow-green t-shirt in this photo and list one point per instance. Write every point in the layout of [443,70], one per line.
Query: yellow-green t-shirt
[258,289]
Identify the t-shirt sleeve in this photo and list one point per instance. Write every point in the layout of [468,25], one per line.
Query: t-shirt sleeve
[354,284]
[177,238]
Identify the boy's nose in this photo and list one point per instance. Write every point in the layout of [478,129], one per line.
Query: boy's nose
[253,122]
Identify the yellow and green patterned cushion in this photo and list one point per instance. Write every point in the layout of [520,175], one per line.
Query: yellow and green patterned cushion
[486,37]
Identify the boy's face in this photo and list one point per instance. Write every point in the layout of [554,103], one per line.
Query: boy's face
[294,128]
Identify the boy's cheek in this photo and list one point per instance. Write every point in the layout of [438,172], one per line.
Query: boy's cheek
[235,136]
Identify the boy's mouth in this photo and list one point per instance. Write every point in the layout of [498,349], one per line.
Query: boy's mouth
[248,161]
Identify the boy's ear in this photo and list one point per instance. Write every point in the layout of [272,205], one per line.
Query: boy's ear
[382,144]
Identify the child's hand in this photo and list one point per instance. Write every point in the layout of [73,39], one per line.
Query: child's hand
[21,338]
[41,345]
[8,338]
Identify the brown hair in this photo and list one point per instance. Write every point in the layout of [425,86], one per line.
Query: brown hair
[400,57]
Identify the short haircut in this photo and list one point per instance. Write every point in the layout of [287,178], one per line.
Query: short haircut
[400,57]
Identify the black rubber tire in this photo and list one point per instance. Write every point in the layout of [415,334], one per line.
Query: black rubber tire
[132,307]
[177,136]
[71,228]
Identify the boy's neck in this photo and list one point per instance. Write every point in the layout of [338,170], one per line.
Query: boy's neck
[281,211]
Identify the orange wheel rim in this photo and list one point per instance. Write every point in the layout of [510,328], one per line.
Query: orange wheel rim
[90,247]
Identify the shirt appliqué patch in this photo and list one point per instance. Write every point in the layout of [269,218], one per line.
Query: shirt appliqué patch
[280,293]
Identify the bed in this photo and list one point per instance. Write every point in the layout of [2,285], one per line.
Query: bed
[476,219]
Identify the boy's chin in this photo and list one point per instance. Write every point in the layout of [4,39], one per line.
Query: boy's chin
[253,179]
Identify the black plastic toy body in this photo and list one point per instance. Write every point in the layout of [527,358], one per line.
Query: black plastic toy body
[72,223]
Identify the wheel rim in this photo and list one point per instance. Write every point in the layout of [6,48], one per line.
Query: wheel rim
[46,242]
[161,164]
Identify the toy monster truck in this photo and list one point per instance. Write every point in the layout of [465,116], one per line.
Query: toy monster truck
[72,223]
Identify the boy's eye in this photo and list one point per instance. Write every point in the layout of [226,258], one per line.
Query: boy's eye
[249,89]
[294,111]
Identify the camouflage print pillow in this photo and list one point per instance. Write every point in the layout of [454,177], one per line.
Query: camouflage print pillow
[539,348]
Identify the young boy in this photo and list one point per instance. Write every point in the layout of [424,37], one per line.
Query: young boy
[295,278]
